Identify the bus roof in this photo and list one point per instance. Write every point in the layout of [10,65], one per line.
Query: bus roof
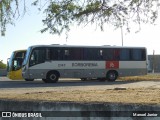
[85,46]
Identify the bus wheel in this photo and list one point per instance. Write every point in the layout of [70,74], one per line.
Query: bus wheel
[112,75]
[29,79]
[52,77]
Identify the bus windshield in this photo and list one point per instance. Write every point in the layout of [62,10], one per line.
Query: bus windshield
[15,61]
[26,56]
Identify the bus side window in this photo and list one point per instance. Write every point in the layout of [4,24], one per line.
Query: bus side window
[143,54]
[135,55]
[33,58]
[91,54]
[108,54]
[116,54]
[101,54]
[59,54]
[66,54]
[55,54]
[138,54]
[38,56]
[51,54]
[124,54]
[48,54]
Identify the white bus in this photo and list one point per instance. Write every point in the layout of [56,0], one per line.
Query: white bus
[50,62]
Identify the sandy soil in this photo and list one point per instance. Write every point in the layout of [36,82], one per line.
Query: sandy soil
[103,94]
[118,95]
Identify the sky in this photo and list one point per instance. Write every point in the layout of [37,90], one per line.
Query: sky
[26,32]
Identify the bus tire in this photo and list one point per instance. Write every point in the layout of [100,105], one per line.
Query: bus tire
[112,75]
[52,77]
[29,79]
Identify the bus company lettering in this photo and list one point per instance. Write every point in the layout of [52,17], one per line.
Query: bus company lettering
[84,64]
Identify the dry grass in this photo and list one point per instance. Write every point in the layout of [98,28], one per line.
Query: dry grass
[90,94]
[145,77]
[139,96]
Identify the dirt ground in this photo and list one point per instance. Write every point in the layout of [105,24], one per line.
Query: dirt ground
[87,94]
[117,95]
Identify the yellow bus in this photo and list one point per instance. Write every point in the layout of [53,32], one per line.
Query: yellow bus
[14,65]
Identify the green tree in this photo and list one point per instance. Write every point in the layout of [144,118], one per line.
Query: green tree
[2,65]
[62,14]
[9,11]
[6,14]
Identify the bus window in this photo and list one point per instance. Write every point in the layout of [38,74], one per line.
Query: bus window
[138,54]
[20,54]
[143,54]
[124,54]
[100,54]
[76,54]
[116,54]
[91,54]
[108,54]
[48,54]
[53,54]
[37,56]
[56,54]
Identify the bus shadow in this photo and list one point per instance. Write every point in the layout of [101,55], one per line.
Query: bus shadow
[60,83]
